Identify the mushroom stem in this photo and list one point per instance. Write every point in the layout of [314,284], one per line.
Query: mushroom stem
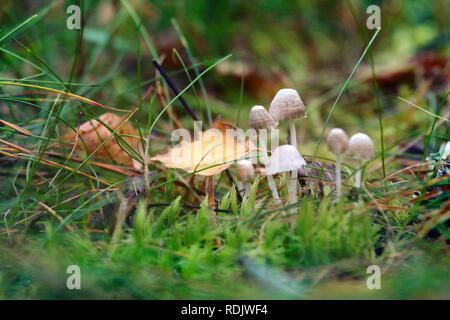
[210,191]
[240,186]
[294,173]
[293,133]
[292,188]
[293,184]
[273,188]
[338,176]
[244,188]
[358,175]
[247,189]
[270,180]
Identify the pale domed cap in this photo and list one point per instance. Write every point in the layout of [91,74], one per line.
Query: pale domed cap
[245,171]
[337,141]
[285,158]
[361,146]
[259,118]
[287,105]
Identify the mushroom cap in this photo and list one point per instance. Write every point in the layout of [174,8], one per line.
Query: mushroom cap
[284,158]
[337,141]
[361,146]
[287,105]
[245,171]
[259,118]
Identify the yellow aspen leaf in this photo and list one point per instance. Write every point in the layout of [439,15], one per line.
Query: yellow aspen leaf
[210,153]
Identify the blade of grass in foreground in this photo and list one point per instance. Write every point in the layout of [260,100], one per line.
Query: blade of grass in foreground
[185,89]
[145,35]
[27,23]
[61,92]
[375,83]
[241,96]
[20,26]
[339,97]
[193,60]
[55,187]
[186,71]
[76,58]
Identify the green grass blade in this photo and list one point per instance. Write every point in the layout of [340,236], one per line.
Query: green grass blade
[339,96]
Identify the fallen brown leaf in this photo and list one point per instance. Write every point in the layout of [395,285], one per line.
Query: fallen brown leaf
[93,133]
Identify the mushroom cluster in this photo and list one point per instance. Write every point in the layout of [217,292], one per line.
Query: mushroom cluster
[359,146]
[288,106]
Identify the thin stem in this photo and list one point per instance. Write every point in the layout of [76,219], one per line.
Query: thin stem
[270,180]
[273,188]
[294,174]
[292,188]
[240,185]
[210,191]
[338,176]
[247,189]
[293,133]
[358,175]
[175,90]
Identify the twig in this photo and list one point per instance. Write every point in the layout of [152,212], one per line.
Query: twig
[57,216]
[54,164]
[15,127]
[420,108]
[175,90]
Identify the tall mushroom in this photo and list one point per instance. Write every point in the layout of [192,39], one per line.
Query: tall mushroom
[260,120]
[287,105]
[245,173]
[337,142]
[286,158]
[360,146]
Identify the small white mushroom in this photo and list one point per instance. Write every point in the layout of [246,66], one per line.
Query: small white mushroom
[245,173]
[360,146]
[286,158]
[337,142]
[287,105]
[261,120]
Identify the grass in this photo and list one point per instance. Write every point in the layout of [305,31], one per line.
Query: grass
[176,246]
